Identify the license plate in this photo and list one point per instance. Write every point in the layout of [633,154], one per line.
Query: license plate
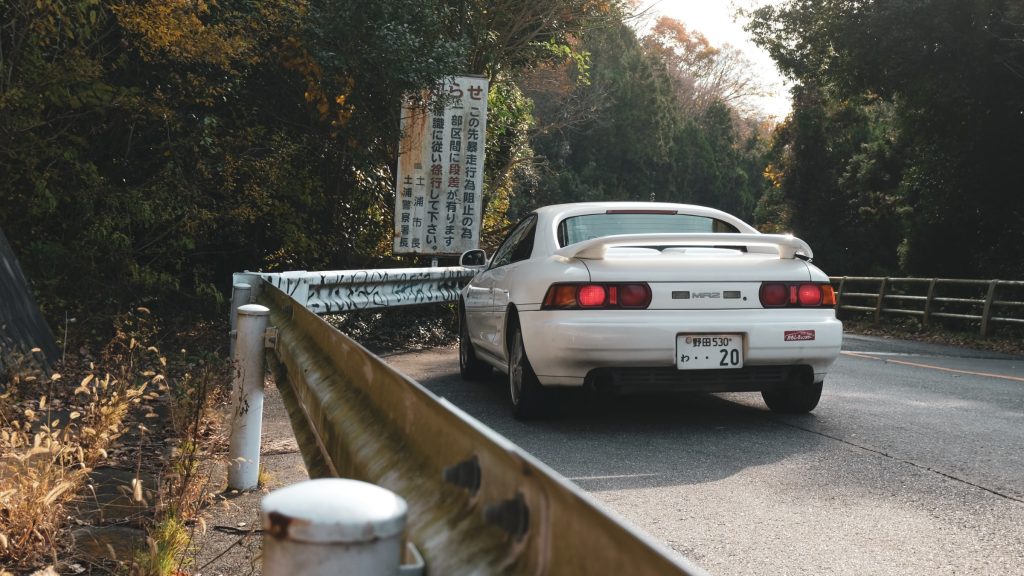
[709,351]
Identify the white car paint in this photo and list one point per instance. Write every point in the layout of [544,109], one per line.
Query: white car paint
[564,346]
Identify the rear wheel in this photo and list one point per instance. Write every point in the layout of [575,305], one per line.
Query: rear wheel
[470,367]
[525,389]
[799,400]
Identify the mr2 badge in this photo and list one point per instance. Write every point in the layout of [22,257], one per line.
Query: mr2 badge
[798,335]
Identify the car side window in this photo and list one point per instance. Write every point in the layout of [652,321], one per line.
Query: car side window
[518,245]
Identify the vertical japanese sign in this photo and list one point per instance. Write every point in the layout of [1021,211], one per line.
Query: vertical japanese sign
[441,169]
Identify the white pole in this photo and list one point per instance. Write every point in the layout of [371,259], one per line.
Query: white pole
[240,294]
[333,526]
[247,398]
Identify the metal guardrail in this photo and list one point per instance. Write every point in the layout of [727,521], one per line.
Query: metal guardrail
[348,290]
[476,502]
[983,301]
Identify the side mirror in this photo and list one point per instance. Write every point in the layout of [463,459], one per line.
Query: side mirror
[473,259]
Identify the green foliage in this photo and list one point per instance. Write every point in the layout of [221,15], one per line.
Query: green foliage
[831,182]
[509,157]
[935,109]
[505,37]
[151,148]
[643,139]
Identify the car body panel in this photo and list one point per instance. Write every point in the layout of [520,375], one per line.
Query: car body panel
[698,285]
[564,345]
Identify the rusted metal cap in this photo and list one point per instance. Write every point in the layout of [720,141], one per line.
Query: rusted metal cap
[331,510]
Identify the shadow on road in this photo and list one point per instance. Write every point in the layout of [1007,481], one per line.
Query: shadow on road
[631,442]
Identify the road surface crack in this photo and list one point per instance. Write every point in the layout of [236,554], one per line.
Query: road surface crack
[902,460]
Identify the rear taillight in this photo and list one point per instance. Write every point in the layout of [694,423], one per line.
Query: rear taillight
[591,295]
[774,295]
[809,295]
[574,296]
[635,295]
[828,295]
[797,295]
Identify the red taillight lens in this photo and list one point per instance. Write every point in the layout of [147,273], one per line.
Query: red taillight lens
[606,296]
[805,295]
[635,295]
[809,295]
[591,295]
[774,295]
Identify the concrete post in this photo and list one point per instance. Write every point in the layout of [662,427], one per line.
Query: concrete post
[240,295]
[333,526]
[247,398]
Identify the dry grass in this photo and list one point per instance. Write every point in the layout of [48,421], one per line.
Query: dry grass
[52,433]
[41,471]
[185,487]
[1008,340]
[49,440]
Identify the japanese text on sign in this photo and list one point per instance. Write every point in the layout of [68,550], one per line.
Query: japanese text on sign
[440,170]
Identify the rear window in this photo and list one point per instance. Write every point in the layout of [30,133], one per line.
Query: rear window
[579,228]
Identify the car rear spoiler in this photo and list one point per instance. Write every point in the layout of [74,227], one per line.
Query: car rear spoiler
[596,248]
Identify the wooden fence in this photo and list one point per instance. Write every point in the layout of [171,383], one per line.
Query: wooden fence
[980,301]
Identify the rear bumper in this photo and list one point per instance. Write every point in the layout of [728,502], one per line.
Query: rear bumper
[747,379]
[564,346]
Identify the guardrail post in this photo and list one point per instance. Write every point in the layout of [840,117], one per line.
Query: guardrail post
[986,314]
[333,526]
[240,295]
[929,298]
[247,398]
[839,295]
[881,299]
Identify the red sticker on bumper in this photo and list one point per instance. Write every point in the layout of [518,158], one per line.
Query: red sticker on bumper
[799,335]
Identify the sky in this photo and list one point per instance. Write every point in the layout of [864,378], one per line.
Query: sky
[716,21]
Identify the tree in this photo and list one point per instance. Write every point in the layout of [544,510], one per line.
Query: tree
[640,137]
[621,150]
[703,74]
[151,148]
[831,169]
[951,72]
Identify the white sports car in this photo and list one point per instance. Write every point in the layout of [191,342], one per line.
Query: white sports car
[638,296]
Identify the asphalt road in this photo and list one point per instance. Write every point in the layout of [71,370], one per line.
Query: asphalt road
[913,463]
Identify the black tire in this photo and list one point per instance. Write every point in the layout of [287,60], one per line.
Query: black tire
[470,367]
[525,390]
[799,400]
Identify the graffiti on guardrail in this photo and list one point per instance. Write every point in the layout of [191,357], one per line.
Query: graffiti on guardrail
[350,290]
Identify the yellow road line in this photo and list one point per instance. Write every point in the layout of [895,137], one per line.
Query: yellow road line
[940,368]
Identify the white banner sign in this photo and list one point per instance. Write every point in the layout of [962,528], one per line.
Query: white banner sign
[441,170]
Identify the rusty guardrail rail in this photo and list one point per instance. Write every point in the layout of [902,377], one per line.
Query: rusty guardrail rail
[920,297]
[477,503]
